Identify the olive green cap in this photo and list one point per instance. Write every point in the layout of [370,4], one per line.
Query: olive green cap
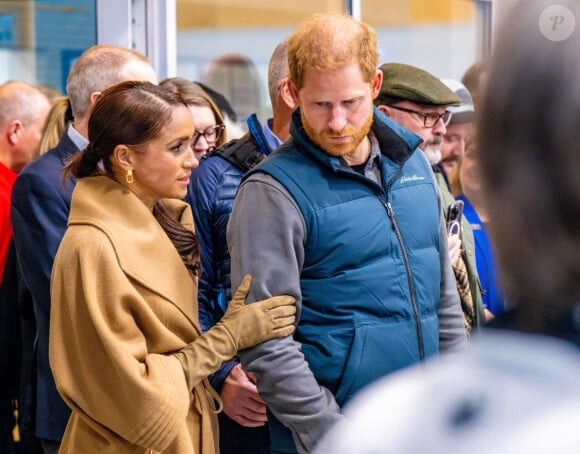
[408,83]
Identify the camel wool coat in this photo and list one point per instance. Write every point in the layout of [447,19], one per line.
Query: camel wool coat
[122,303]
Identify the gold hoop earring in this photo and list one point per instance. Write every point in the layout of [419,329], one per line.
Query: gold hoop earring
[129,176]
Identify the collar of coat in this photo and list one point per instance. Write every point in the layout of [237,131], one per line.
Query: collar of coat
[144,250]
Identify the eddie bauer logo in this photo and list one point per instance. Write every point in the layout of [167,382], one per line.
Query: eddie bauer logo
[413,178]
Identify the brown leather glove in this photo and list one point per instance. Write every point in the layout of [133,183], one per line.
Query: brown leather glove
[242,326]
[251,324]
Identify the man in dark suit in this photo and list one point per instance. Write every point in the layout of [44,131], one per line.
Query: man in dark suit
[40,208]
[23,111]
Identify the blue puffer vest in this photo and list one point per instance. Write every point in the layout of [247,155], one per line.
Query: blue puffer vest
[370,282]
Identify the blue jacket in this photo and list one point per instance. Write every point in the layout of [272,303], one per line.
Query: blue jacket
[370,281]
[211,196]
[484,259]
[39,214]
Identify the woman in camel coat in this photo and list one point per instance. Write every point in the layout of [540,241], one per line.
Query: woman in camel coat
[125,347]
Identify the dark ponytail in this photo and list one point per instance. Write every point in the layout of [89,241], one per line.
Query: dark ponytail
[83,164]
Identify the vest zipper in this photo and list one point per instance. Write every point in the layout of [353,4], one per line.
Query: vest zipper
[406,260]
[418,328]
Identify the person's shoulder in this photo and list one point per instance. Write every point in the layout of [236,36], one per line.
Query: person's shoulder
[42,164]
[214,163]
[87,242]
[240,154]
[45,170]
[49,165]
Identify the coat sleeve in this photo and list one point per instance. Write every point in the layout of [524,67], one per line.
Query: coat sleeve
[98,350]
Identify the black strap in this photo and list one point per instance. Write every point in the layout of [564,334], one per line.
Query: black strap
[243,153]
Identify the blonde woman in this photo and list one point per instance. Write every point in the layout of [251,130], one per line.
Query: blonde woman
[58,119]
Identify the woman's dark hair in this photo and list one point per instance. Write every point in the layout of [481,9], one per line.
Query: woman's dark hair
[530,164]
[129,113]
[133,114]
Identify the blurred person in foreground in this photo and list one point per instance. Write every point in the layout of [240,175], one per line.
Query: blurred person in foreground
[345,217]
[517,390]
[211,193]
[126,350]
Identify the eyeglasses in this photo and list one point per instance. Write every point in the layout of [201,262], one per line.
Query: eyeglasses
[211,134]
[429,119]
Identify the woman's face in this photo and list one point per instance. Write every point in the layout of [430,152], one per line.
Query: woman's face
[203,121]
[163,169]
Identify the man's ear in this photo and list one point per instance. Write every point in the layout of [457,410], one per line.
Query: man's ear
[95,95]
[292,92]
[384,109]
[286,95]
[13,130]
[376,83]
[123,157]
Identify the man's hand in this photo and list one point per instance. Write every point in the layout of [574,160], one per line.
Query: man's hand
[241,400]
[454,248]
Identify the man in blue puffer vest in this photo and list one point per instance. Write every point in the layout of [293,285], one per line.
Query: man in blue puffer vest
[345,217]
[211,196]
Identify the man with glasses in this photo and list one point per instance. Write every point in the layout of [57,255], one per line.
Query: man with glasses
[423,104]
[416,100]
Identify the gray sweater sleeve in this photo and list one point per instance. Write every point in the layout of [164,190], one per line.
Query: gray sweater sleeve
[452,336]
[266,235]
